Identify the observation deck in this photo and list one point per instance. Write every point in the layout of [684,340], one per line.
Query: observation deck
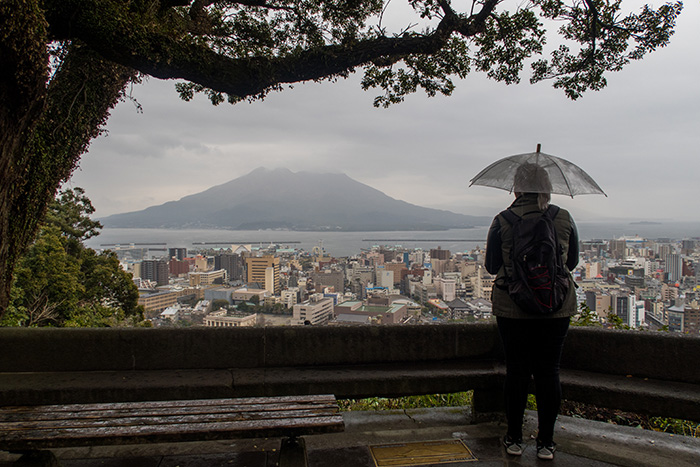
[649,373]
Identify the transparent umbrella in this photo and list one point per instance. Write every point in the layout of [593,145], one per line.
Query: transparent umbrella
[566,177]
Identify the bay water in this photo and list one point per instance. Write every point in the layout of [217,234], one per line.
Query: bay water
[341,244]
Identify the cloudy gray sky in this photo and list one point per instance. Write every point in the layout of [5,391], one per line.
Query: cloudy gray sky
[639,138]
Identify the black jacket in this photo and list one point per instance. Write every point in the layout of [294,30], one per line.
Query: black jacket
[499,243]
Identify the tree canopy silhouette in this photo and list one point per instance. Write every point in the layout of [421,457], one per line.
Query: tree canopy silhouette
[66,63]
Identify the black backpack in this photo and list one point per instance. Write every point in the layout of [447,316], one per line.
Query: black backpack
[539,280]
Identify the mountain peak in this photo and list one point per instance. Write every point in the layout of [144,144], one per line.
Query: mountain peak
[265,170]
[279,198]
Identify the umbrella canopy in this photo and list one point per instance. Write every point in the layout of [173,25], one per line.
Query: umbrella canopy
[566,177]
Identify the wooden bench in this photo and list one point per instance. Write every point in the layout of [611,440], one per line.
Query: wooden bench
[31,430]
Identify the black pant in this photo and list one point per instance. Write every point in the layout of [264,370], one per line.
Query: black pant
[533,348]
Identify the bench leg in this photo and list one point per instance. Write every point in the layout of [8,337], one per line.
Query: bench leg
[293,452]
[37,459]
[488,405]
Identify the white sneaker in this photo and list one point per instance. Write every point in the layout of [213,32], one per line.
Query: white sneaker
[514,448]
[546,452]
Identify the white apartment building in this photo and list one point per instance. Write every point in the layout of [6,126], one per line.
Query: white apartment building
[456,276]
[446,288]
[289,296]
[172,313]
[477,286]
[416,257]
[592,270]
[428,277]
[316,310]
[630,310]
[385,278]
[639,316]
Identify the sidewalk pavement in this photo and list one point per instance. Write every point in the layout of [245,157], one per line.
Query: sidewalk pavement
[580,443]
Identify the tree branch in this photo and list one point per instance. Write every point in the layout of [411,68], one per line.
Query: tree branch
[593,31]
[153,53]
[199,17]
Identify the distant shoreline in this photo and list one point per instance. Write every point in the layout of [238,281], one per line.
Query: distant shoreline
[349,243]
[400,228]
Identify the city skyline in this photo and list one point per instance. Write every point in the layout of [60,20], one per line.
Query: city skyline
[644,283]
[638,139]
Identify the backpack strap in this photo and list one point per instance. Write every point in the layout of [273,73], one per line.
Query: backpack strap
[510,216]
[551,211]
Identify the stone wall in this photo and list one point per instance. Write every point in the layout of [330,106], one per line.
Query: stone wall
[649,372]
[51,349]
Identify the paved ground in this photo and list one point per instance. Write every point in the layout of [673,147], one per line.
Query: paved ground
[580,443]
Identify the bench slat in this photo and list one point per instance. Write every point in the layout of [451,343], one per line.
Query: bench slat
[166,421]
[161,419]
[38,414]
[239,401]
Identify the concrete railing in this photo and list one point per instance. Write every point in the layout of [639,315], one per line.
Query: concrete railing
[653,373]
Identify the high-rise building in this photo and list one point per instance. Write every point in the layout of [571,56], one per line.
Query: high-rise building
[258,273]
[416,257]
[688,246]
[663,249]
[232,263]
[178,267]
[590,300]
[691,319]
[177,253]
[155,270]
[675,316]
[623,307]
[440,266]
[617,248]
[329,278]
[439,253]
[630,310]
[674,267]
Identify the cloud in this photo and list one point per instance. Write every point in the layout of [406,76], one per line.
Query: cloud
[638,138]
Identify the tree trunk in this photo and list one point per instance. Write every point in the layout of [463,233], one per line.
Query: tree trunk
[23,75]
[43,138]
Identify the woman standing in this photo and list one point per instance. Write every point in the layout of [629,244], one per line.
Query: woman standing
[532,342]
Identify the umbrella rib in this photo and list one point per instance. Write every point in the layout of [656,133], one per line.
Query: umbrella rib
[556,162]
